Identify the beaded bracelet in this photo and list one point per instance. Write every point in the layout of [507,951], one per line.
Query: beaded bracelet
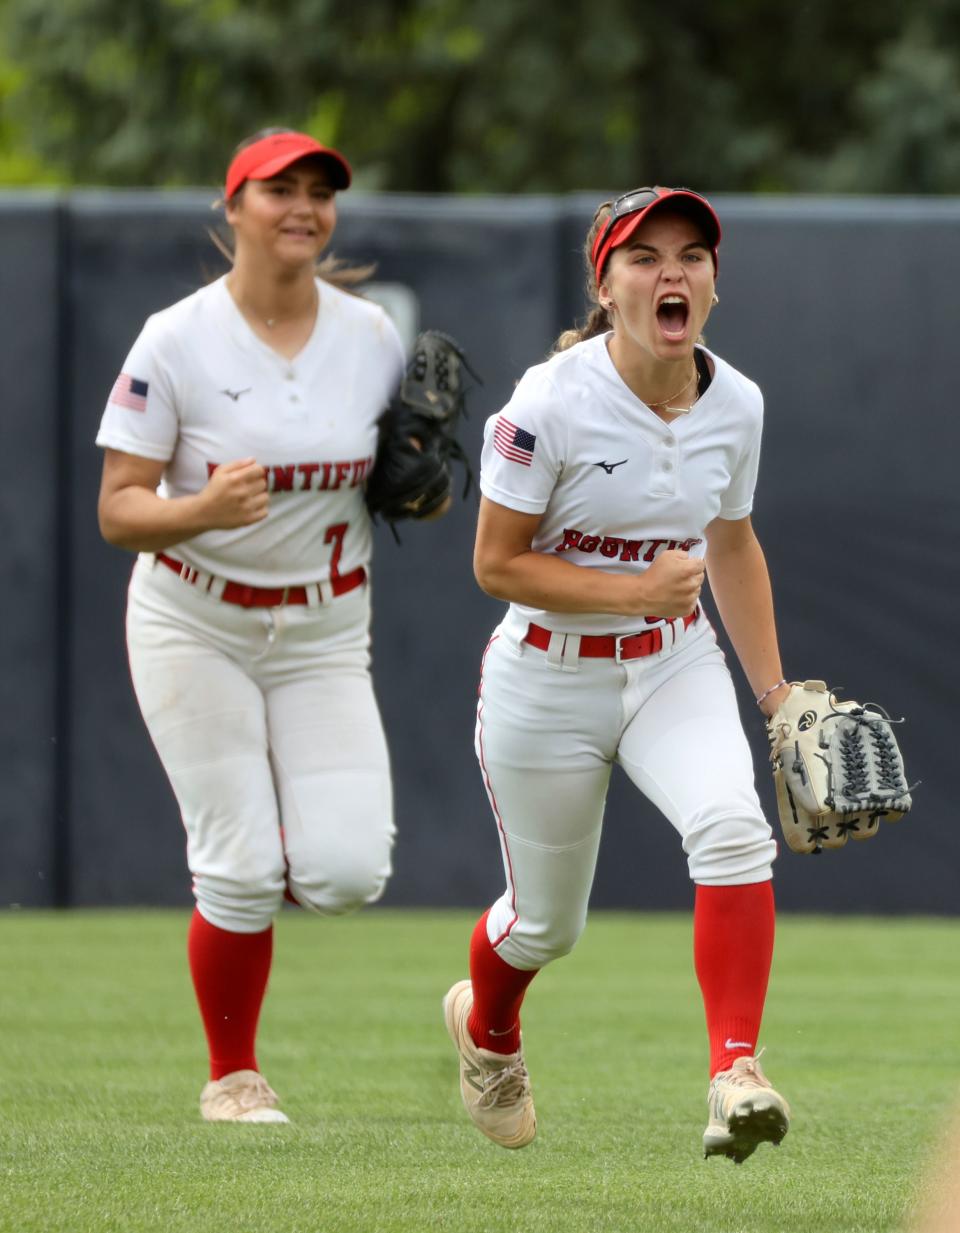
[767,692]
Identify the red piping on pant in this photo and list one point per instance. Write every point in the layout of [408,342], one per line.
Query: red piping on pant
[493,802]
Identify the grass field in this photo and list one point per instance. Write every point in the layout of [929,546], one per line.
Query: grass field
[101,1063]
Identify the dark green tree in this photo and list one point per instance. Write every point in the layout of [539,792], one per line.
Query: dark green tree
[497,95]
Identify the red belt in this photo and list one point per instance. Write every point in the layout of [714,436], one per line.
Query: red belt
[266,597]
[612,646]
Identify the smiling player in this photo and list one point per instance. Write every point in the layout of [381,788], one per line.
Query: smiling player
[252,405]
[622,471]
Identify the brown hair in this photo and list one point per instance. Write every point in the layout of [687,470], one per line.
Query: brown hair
[332,269]
[597,320]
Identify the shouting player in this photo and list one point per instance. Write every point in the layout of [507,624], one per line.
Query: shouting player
[252,405]
[620,473]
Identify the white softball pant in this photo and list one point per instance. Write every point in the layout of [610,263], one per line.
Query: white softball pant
[548,732]
[266,724]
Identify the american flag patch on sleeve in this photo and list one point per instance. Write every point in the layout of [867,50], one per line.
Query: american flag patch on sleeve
[514,443]
[129,392]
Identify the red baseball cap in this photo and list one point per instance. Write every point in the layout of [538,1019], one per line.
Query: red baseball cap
[629,211]
[271,155]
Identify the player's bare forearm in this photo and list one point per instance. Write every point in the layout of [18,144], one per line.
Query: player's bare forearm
[670,588]
[740,583]
[141,521]
[507,568]
[539,581]
[132,515]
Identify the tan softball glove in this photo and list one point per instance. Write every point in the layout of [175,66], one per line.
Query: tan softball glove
[837,768]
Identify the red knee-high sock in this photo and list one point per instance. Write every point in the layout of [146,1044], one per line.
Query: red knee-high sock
[498,991]
[230,972]
[732,947]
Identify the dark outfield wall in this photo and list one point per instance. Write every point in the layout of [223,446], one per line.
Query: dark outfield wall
[844,311]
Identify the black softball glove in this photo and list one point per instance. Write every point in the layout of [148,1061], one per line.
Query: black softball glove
[411,477]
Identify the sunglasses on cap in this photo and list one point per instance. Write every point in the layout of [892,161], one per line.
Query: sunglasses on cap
[638,202]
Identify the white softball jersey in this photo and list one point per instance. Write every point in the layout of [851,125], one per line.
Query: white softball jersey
[615,486]
[199,388]
[264,718]
[614,483]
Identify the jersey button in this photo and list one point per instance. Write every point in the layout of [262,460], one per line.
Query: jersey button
[667,466]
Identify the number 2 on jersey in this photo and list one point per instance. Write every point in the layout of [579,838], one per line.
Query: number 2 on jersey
[335,535]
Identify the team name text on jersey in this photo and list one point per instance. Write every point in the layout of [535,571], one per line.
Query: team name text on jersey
[624,549]
[312,476]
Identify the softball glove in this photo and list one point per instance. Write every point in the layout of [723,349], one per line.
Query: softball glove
[411,477]
[837,768]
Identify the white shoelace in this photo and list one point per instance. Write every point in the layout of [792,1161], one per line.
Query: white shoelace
[506,1086]
[255,1094]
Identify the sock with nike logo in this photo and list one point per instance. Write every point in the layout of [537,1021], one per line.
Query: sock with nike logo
[733,929]
[498,991]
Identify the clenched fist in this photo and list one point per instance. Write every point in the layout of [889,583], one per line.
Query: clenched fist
[671,586]
[236,494]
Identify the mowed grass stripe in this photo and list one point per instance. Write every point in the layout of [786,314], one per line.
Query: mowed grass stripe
[101,1063]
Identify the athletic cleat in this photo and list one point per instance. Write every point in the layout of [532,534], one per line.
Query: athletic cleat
[744,1112]
[241,1096]
[495,1086]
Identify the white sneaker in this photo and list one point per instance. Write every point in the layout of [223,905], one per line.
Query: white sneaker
[495,1086]
[744,1112]
[241,1096]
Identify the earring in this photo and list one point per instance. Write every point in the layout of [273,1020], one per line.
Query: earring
[716,298]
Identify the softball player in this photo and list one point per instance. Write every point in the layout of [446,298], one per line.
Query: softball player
[621,471]
[252,406]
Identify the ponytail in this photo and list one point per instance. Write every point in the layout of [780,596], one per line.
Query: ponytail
[598,320]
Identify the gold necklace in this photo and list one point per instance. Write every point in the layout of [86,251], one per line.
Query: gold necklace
[249,311]
[664,403]
[270,322]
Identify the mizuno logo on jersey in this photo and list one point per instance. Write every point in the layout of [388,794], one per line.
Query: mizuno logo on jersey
[236,394]
[615,546]
[608,466]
